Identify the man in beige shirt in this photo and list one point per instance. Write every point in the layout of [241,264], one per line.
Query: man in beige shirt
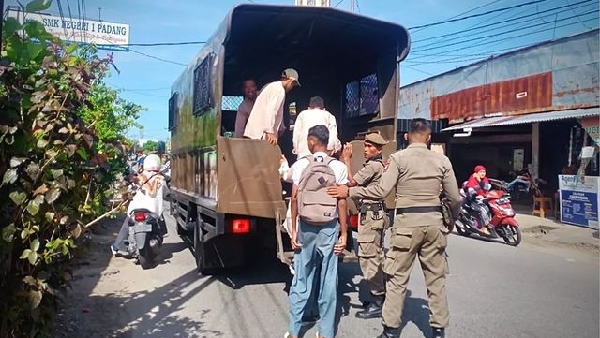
[416,174]
[266,117]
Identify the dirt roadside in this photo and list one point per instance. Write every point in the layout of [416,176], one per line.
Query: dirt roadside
[88,311]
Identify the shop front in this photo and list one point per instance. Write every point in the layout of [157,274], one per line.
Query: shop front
[553,145]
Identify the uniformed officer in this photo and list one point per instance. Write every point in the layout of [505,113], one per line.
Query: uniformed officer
[417,173]
[372,221]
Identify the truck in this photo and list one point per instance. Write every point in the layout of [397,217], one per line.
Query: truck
[226,193]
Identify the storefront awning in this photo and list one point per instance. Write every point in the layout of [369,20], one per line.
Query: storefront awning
[526,119]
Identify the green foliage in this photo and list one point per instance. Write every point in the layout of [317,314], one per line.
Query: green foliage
[61,147]
[150,146]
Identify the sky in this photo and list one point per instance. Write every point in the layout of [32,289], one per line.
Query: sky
[147,79]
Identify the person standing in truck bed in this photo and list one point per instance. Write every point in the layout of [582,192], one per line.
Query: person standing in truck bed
[266,118]
[241,118]
[316,114]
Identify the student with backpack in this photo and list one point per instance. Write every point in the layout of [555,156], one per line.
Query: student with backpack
[315,231]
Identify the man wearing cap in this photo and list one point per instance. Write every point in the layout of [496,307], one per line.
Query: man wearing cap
[372,221]
[313,116]
[266,117]
[415,174]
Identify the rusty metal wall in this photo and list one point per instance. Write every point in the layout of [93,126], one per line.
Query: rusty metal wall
[526,94]
[571,65]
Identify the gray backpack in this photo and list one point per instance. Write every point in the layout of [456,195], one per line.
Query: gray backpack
[315,206]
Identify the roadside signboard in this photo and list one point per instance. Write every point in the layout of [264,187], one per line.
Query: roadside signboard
[579,200]
[107,35]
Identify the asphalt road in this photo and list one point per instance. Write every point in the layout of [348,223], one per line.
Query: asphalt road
[494,291]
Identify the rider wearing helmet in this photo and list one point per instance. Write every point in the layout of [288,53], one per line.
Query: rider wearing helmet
[476,188]
[149,196]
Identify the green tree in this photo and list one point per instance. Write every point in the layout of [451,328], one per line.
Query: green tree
[150,146]
[60,128]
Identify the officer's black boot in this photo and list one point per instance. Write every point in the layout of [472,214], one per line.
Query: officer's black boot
[390,332]
[374,308]
[438,332]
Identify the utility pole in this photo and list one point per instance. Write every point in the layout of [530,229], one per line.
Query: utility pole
[99,13]
[352,6]
[1,22]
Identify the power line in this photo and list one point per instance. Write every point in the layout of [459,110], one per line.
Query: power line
[500,33]
[568,8]
[338,3]
[567,1]
[158,58]
[479,14]
[513,37]
[447,42]
[158,44]
[466,12]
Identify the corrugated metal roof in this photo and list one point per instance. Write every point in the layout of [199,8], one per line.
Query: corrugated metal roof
[551,116]
[479,123]
[526,119]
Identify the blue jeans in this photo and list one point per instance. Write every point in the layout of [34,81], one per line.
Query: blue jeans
[317,248]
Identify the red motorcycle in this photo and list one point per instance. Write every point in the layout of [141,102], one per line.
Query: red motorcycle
[503,224]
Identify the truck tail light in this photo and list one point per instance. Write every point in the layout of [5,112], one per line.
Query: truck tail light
[354,221]
[139,216]
[240,226]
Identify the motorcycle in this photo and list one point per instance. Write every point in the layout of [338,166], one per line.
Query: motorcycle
[503,224]
[146,233]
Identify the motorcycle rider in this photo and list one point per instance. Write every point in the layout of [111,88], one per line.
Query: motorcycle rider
[149,196]
[476,188]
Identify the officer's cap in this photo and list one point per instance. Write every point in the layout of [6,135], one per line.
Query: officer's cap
[376,139]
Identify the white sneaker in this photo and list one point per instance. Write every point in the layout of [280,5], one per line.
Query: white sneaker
[114,250]
[287,335]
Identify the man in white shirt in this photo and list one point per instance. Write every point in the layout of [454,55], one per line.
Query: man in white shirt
[266,117]
[313,116]
[316,244]
[241,118]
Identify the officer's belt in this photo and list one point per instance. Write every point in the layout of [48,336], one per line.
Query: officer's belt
[375,207]
[419,210]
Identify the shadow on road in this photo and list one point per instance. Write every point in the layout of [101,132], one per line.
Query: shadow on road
[88,312]
[416,311]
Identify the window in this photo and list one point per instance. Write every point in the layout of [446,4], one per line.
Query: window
[352,99]
[231,102]
[362,97]
[173,111]
[369,96]
[202,95]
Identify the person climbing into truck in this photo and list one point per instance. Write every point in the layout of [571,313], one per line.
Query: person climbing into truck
[266,118]
[316,114]
[315,236]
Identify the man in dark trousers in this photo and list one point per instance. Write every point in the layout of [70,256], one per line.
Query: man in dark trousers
[417,174]
[373,220]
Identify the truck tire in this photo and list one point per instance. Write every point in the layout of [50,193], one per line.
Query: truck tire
[199,248]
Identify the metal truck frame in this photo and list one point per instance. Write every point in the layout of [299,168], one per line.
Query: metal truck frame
[226,192]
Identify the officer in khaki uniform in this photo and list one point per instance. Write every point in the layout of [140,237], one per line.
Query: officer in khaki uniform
[373,220]
[417,174]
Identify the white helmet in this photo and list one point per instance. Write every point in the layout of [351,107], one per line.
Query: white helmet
[152,163]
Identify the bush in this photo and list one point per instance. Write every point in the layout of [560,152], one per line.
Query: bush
[55,154]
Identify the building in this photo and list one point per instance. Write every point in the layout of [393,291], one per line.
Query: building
[316,3]
[534,108]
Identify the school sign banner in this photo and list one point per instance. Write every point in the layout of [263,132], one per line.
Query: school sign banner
[101,33]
